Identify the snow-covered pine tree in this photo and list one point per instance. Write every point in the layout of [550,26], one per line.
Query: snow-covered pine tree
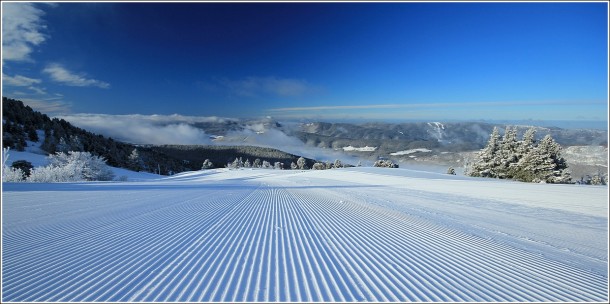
[507,153]
[524,146]
[247,164]
[451,171]
[207,164]
[134,161]
[301,163]
[293,166]
[338,164]
[544,163]
[257,163]
[266,165]
[487,159]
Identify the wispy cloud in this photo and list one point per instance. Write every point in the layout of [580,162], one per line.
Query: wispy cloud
[19,81]
[62,75]
[267,86]
[22,30]
[145,129]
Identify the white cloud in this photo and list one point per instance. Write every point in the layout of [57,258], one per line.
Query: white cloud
[22,27]
[19,81]
[62,75]
[264,86]
[37,90]
[144,129]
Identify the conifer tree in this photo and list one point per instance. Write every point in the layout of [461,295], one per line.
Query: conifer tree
[488,157]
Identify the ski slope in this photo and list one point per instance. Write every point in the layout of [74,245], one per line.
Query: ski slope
[347,235]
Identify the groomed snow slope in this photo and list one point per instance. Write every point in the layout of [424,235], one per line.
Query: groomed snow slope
[360,234]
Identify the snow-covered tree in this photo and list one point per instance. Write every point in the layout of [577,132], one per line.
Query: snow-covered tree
[293,166]
[247,164]
[544,163]
[318,166]
[134,161]
[451,171]
[266,165]
[507,155]
[10,174]
[257,163]
[385,164]
[207,164]
[72,167]
[301,163]
[278,166]
[338,164]
[487,159]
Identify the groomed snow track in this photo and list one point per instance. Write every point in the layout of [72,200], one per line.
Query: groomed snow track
[268,236]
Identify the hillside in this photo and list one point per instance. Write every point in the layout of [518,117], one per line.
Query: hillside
[22,126]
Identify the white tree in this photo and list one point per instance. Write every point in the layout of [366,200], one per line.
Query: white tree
[247,164]
[257,163]
[318,166]
[266,165]
[302,163]
[72,167]
[278,166]
[338,164]
[207,164]
[9,174]
[293,166]
[544,163]
[487,159]
[507,155]
[134,161]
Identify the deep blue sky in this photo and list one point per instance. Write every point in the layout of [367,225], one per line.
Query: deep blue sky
[431,61]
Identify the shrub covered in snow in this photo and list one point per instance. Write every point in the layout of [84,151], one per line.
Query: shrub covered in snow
[385,164]
[10,174]
[72,167]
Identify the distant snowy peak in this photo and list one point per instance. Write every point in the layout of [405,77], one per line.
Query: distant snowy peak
[437,131]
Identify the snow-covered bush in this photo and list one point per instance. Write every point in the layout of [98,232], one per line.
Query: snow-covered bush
[207,164]
[72,167]
[385,164]
[10,174]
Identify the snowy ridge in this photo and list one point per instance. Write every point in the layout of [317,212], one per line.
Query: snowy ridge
[411,151]
[362,149]
[360,234]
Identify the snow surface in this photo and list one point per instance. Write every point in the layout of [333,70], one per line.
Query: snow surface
[405,152]
[361,149]
[357,234]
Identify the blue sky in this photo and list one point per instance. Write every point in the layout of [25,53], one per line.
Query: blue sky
[371,61]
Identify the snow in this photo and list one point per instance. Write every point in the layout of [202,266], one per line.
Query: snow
[363,149]
[405,152]
[343,235]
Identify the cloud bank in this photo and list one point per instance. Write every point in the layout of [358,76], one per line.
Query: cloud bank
[22,27]
[146,129]
[62,75]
